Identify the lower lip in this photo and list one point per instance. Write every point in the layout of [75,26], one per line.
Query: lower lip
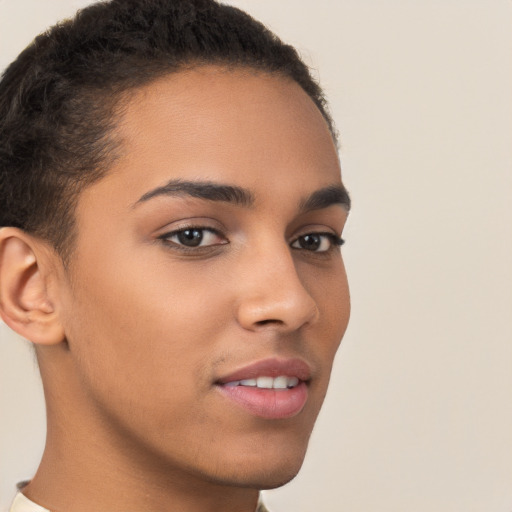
[268,403]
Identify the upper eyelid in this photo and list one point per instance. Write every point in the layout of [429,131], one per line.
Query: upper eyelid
[307,230]
[192,223]
[316,229]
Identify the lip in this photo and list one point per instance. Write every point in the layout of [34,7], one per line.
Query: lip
[269,404]
[270,368]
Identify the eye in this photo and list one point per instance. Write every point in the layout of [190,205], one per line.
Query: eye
[318,242]
[194,237]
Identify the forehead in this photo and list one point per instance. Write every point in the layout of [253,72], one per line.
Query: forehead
[232,124]
[250,130]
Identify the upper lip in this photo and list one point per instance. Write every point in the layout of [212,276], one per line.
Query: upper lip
[270,368]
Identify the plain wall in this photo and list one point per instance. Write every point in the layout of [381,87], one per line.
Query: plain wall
[419,413]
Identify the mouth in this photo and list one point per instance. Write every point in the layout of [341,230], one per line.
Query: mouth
[270,389]
[264,382]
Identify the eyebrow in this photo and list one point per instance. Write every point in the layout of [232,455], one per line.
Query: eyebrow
[212,191]
[203,190]
[327,196]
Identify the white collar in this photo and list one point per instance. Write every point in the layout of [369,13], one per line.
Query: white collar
[22,504]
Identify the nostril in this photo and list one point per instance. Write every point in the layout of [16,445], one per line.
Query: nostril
[270,321]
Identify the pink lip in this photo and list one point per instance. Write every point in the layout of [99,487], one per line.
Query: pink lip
[269,403]
[271,368]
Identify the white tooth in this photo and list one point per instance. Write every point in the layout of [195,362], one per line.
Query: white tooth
[292,382]
[280,382]
[264,382]
[248,382]
[232,384]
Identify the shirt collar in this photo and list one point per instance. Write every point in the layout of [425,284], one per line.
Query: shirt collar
[22,504]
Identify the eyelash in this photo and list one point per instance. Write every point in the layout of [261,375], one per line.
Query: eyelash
[334,240]
[182,247]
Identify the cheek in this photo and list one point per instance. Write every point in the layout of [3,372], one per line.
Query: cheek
[139,327]
[339,302]
[329,288]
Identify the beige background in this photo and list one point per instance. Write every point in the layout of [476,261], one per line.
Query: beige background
[419,414]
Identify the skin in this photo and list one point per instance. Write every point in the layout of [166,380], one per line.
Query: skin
[133,336]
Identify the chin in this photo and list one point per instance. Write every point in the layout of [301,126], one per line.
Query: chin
[267,460]
[267,473]
[264,480]
[275,481]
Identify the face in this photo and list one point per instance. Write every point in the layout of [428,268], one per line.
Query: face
[207,295]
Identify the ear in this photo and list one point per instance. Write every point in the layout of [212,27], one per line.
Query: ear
[25,304]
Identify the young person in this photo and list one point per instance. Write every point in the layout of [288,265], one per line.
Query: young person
[172,205]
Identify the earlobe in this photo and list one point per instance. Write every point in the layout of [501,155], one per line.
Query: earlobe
[25,304]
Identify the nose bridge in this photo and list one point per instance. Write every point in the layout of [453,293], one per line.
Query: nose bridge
[273,292]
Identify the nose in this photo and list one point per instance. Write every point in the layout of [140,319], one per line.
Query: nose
[271,294]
